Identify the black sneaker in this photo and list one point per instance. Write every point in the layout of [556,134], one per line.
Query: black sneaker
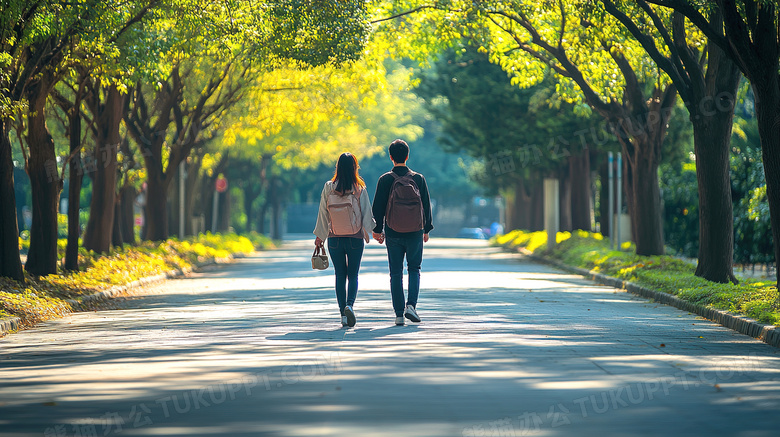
[350,315]
[411,314]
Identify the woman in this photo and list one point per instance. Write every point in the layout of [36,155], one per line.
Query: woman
[345,220]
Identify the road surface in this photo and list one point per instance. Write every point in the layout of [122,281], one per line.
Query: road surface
[506,347]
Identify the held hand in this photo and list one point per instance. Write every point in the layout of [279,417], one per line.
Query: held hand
[318,242]
[380,238]
[425,238]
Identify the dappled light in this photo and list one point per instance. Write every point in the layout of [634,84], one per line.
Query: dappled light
[256,347]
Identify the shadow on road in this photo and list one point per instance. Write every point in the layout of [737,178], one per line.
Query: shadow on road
[256,348]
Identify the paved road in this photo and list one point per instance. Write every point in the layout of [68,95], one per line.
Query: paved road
[506,348]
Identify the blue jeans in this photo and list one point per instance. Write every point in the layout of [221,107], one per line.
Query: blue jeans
[345,255]
[397,248]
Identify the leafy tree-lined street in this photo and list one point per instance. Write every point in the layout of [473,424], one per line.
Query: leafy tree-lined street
[153,101]
[506,347]
[141,139]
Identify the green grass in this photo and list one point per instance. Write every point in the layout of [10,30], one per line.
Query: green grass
[44,298]
[756,299]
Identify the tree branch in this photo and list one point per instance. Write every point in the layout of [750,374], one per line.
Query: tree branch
[632,90]
[673,67]
[740,45]
[593,99]
[693,64]
[563,24]
[715,34]
[765,33]
[399,15]
[522,45]
[751,16]
[138,17]
[677,50]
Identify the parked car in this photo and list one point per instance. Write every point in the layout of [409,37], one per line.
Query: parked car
[475,233]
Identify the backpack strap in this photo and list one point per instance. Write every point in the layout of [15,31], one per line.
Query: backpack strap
[411,174]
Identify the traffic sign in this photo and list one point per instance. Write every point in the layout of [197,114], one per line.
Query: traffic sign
[221,184]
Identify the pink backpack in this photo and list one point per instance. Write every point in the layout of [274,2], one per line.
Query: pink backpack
[345,215]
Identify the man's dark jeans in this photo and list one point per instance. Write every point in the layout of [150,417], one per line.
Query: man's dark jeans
[345,255]
[397,248]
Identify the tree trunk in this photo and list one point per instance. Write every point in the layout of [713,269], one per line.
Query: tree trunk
[191,185]
[209,189]
[716,219]
[564,200]
[648,226]
[126,213]
[604,198]
[276,226]
[223,221]
[261,219]
[712,114]
[45,182]
[276,208]
[537,207]
[116,233]
[768,116]
[98,235]
[628,197]
[173,205]
[518,207]
[76,174]
[250,195]
[579,173]
[156,209]
[207,200]
[10,263]
[20,180]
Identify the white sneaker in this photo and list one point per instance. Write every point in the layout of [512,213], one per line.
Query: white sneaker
[343,320]
[411,314]
[350,315]
[399,321]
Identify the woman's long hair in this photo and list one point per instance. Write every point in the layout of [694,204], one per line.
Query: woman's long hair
[346,177]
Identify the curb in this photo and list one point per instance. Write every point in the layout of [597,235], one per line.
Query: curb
[769,334]
[13,324]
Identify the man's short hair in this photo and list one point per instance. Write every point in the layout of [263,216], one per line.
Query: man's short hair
[399,151]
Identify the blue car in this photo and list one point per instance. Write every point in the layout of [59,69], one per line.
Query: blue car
[474,233]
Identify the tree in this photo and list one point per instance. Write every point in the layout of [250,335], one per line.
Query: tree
[299,121]
[36,39]
[599,64]
[522,135]
[749,34]
[218,67]
[42,41]
[72,124]
[709,94]
[751,218]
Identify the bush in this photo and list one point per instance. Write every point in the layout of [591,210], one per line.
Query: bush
[751,229]
[681,209]
[39,299]
[753,298]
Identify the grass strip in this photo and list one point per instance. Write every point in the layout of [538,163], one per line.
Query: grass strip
[44,298]
[754,298]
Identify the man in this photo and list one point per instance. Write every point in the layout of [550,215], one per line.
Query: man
[402,209]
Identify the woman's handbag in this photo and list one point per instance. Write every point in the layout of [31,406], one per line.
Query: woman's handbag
[319,261]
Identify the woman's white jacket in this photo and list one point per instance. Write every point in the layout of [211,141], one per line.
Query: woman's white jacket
[322,229]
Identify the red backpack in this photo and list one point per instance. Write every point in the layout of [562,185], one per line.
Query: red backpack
[404,211]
